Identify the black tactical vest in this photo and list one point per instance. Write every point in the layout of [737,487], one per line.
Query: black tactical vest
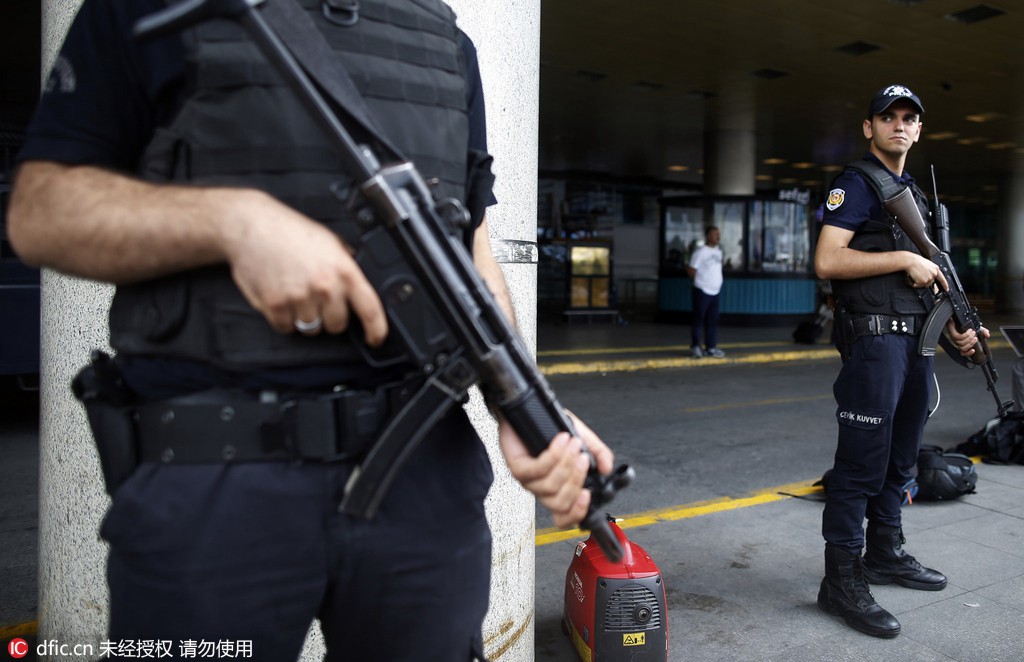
[887,294]
[240,125]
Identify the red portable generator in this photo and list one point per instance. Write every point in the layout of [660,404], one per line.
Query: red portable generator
[615,611]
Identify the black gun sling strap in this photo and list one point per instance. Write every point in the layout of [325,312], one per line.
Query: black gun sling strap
[879,179]
[309,47]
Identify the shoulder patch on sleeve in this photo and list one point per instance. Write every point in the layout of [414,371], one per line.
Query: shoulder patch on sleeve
[835,199]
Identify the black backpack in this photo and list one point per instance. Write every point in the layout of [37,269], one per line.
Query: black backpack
[1000,441]
[942,476]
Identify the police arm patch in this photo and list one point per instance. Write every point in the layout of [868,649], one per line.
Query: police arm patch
[835,199]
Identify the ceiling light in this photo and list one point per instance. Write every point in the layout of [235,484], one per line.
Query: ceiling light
[788,180]
[831,168]
[941,135]
[678,168]
[971,141]
[975,14]
[858,48]
[981,118]
[763,178]
[773,161]
[805,165]
[1003,145]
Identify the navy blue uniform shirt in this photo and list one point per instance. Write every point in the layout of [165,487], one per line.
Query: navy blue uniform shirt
[852,201]
[105,96]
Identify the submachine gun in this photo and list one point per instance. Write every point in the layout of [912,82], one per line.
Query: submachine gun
[952,303]
[438,307]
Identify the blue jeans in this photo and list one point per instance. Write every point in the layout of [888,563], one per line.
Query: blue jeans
[705,319]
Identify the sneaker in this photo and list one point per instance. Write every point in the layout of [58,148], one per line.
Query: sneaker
[715,352]
[696,353]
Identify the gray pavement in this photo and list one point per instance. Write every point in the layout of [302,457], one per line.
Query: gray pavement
[741,582]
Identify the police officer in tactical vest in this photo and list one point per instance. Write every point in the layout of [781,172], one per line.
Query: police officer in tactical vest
[883,290]
[186,172]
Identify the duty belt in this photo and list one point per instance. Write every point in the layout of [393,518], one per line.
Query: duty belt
[877,325]
[230,426]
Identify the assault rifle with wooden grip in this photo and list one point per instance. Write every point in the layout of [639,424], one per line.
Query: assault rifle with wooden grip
[440,312]
[951,303]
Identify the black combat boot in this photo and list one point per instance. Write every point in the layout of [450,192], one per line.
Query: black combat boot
[844,592]
[886,562]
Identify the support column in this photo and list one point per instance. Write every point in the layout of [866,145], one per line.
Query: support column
[507,37]
[73,601]
[730,144]
[72,559]
[1010,272]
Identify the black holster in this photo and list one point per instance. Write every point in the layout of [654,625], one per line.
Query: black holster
[109,404]
[843,331]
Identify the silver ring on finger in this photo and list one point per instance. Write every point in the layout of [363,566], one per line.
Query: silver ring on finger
[309,327]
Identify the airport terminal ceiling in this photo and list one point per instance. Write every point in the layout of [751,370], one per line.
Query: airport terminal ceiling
[625,85]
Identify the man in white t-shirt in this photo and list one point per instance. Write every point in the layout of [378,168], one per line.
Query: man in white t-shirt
[705,270]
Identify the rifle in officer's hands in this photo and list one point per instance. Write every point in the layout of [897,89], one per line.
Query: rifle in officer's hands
[441,314]
[951,303]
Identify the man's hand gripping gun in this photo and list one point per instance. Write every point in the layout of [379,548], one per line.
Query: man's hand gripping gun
[952,303]
[440,312]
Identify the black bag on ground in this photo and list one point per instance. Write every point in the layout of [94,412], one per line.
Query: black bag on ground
[807,333]
[1000,441]
[942,476]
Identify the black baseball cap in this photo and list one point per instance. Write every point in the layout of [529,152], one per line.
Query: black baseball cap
[889,95]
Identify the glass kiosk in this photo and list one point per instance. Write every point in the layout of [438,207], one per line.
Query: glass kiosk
[590,281]
[767,251]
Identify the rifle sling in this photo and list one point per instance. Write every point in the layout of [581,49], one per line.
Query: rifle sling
[307,44]
[878,177]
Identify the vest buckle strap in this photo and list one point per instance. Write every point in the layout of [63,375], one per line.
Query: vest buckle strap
[341,12]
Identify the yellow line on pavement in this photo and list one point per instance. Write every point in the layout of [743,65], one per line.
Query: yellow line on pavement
[632,365]
[698,509]
[22,630]
[645,348]
[755,403]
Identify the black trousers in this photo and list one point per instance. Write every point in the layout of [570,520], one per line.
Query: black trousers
[249,554]
[882,393]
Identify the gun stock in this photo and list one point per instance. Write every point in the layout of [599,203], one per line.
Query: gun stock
[908,216]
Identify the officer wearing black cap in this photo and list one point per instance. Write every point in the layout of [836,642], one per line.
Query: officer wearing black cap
[883,289]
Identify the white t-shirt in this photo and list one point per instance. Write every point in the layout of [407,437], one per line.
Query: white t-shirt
[708,263]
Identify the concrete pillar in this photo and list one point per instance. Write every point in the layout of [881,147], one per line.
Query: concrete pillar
[1010,272]
[507,37]
[730,144]
[72,584]
[72,593]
